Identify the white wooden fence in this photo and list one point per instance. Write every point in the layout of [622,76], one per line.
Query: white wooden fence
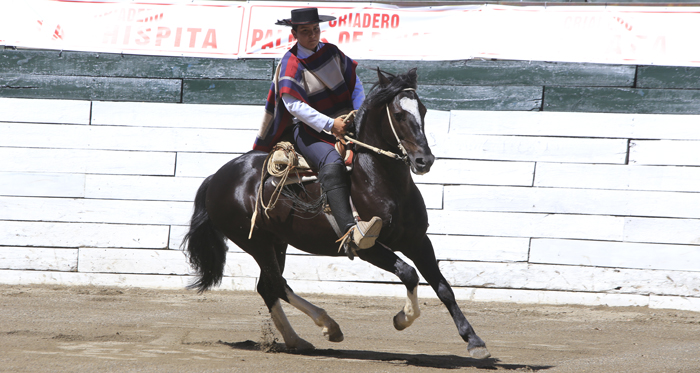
[539,207]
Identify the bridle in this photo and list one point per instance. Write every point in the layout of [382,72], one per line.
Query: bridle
[387,153]
[350,116]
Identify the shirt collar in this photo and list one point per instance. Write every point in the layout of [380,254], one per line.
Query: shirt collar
[305,53]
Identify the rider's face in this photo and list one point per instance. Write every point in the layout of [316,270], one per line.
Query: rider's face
[308,35]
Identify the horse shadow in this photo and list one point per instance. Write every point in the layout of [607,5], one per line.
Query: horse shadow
[418,360]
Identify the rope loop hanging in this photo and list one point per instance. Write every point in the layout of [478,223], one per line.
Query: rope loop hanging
[273,166]
[282,170]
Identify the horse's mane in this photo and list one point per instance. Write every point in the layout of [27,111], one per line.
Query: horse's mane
[381,94]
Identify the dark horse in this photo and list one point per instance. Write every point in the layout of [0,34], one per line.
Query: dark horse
[381,186]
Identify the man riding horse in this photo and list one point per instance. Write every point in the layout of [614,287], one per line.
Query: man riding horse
[314,85]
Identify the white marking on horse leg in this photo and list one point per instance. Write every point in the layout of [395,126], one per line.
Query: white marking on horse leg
[411,106]
[410,311]
[291,339]
[331,329]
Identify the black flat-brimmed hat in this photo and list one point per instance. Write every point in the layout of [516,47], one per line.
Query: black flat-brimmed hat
[304,16]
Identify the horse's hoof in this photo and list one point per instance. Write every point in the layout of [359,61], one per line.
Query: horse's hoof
[400,321]
[331,329]
[302,345]
[334,334]
[479,353]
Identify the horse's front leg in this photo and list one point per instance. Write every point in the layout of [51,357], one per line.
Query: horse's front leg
[425,261]
[385,259]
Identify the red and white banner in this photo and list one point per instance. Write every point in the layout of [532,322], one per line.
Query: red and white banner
[228,29]
[191,29]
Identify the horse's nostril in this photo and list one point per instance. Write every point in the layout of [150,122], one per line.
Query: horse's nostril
[419,161]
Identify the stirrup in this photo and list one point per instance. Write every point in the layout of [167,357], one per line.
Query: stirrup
[363,235]
[366,232]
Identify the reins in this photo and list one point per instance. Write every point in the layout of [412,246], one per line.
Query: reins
[393,130]
[273,170]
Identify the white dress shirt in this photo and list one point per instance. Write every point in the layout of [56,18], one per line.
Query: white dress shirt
[305,113]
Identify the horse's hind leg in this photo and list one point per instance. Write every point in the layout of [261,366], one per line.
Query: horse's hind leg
[291,338]
[272,287]
[390,262]
[331,329]
[424,259]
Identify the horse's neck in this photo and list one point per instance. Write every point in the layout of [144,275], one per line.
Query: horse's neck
[390,170]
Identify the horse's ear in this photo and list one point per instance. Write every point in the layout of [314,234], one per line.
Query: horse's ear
[413,74]
[383,80]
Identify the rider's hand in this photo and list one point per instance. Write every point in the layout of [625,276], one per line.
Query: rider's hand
[338,129]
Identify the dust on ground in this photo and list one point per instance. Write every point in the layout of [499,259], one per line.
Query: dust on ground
[97,329]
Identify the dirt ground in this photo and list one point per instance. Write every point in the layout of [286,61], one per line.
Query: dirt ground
[93,329]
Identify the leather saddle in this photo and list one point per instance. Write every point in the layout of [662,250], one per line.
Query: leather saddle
[301,171]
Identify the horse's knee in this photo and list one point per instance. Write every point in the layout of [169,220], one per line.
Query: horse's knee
[445,293]
[407,274]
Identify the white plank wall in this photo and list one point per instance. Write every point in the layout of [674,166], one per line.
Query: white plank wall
[175,115]
[590,125]
[83,161]
[618,177]
[65,136]
[540,207]
[665,152]
[572,201]
[45,111]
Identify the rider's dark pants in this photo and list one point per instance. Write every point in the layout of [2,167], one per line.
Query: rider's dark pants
[331,174]
[316,152]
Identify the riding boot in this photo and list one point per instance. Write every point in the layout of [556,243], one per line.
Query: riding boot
[334,181]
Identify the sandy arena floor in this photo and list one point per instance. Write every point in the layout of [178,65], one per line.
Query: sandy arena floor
[91,329]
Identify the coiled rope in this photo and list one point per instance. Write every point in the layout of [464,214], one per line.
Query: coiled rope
[282,170]
[275,169]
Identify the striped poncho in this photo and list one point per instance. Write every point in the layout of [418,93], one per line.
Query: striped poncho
[325,81]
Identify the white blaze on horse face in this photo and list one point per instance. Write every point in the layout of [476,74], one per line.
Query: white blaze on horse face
[411,106]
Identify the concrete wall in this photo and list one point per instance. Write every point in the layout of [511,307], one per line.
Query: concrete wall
[549,207]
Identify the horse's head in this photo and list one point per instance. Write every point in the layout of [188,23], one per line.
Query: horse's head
[401,116]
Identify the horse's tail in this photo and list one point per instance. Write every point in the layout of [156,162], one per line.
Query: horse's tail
[205,245]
